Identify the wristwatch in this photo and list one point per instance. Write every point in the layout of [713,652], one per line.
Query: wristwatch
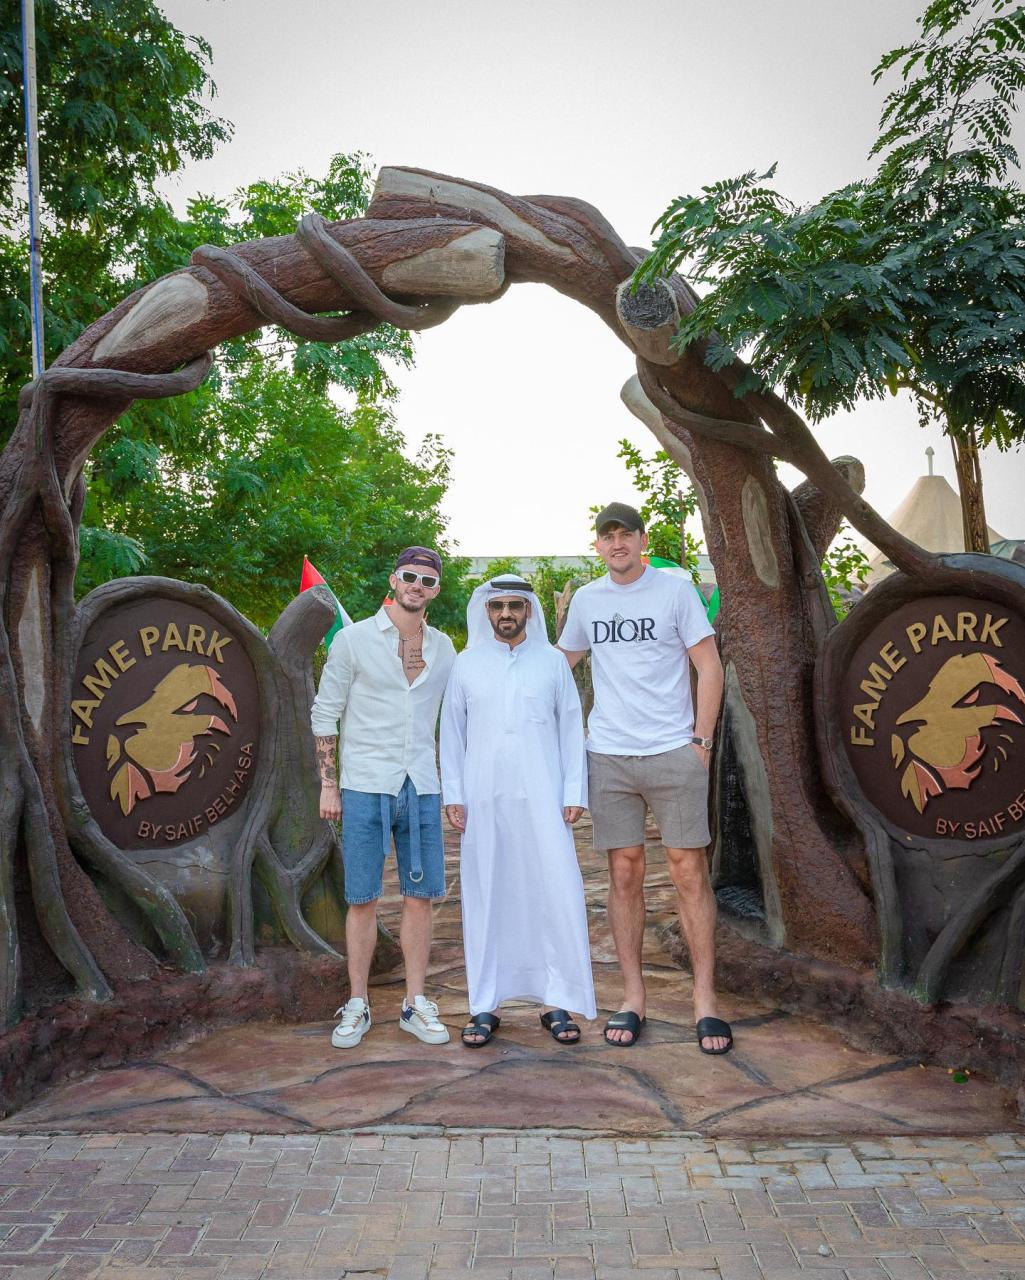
[704,743]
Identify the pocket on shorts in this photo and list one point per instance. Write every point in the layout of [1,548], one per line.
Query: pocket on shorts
[684,758]
[698,780]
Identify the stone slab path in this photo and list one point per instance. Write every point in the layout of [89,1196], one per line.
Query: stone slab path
[788,1076]
[509,1207]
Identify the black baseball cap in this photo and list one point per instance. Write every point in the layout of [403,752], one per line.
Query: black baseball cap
[619,513]
[422,556]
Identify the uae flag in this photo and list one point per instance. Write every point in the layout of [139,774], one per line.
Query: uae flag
[670,566]
[311,578]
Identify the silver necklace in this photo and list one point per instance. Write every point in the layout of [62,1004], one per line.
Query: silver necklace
[417,635]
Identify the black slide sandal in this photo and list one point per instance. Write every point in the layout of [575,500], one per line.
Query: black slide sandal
[708,1027]
[481,1023]
[625,1020]
[558,1021]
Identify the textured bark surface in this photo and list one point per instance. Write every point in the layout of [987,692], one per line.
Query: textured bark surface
[429,243]
[968,466]
[821,517]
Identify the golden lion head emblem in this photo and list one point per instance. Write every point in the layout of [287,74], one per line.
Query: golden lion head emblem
[161,755]
[948,746]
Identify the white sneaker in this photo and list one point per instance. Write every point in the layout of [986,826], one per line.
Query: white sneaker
[421,1019]
[354,1025]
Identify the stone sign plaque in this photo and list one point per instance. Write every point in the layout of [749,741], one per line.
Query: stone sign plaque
[164,722]
[933,718]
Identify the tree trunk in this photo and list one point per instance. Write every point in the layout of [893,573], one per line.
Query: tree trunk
[806,859]
[969,482]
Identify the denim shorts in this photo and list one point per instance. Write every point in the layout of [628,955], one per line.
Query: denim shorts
[369,823]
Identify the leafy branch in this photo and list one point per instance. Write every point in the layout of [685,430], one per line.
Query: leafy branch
[911,279]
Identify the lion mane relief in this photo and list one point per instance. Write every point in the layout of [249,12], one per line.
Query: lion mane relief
[164,722]
[933,704]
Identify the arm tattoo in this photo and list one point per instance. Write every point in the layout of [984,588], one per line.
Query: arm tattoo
[327,759]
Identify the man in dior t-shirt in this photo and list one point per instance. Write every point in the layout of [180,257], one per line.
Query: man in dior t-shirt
[648,747]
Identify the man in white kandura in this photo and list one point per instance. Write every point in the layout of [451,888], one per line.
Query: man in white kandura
[514,779]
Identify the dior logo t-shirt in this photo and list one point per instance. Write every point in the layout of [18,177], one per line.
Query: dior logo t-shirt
[638,636]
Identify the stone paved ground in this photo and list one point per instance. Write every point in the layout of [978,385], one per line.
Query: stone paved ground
[788,1076]
[537,1207]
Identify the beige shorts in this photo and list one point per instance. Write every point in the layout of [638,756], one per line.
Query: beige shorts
[672,784]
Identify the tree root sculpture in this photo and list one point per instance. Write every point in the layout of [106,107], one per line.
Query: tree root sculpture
[428,244]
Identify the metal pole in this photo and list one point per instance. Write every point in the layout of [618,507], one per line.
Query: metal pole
[28,69]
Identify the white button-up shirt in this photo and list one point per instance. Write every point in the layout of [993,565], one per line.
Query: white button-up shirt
[387,723]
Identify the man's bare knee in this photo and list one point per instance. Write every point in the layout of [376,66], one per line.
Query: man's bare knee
[360,912]
[416,906]
[688,869]
[626,868]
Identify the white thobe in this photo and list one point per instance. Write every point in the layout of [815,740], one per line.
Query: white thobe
[512,752]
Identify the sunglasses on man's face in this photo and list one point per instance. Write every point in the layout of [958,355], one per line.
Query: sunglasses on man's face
[409,576]
[500,606]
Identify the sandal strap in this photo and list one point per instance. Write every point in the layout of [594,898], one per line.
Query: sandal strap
[625,1020]
[558,1020]
[487,1020]
[707,1028]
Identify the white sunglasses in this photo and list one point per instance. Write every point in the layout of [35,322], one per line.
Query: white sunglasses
[409,576]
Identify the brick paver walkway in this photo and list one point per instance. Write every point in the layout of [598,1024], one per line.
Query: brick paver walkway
[537,1207]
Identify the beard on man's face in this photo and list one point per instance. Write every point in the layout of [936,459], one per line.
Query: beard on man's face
[508,628]
[410,596]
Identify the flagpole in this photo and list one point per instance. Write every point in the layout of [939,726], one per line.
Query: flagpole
[28,68]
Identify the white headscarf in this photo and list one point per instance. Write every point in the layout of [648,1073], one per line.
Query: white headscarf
[478,626]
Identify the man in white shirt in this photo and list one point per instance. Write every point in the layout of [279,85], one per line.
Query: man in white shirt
[384,679]
[647,749]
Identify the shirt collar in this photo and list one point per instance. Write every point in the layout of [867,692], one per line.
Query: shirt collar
[384,623]
[501,644]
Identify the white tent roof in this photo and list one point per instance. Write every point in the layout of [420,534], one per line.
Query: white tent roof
[931,516]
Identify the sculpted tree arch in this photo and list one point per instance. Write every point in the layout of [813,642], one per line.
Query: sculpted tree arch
[427,245]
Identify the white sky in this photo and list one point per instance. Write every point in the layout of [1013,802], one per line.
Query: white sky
[624,105]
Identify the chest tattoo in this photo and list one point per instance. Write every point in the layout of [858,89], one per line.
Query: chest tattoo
[411,652]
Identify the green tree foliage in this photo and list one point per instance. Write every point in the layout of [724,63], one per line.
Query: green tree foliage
[189,458]
[124,99]
[500,565]
[549,579]
[844,568]
[234,483]
[913,278]
[292,474]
